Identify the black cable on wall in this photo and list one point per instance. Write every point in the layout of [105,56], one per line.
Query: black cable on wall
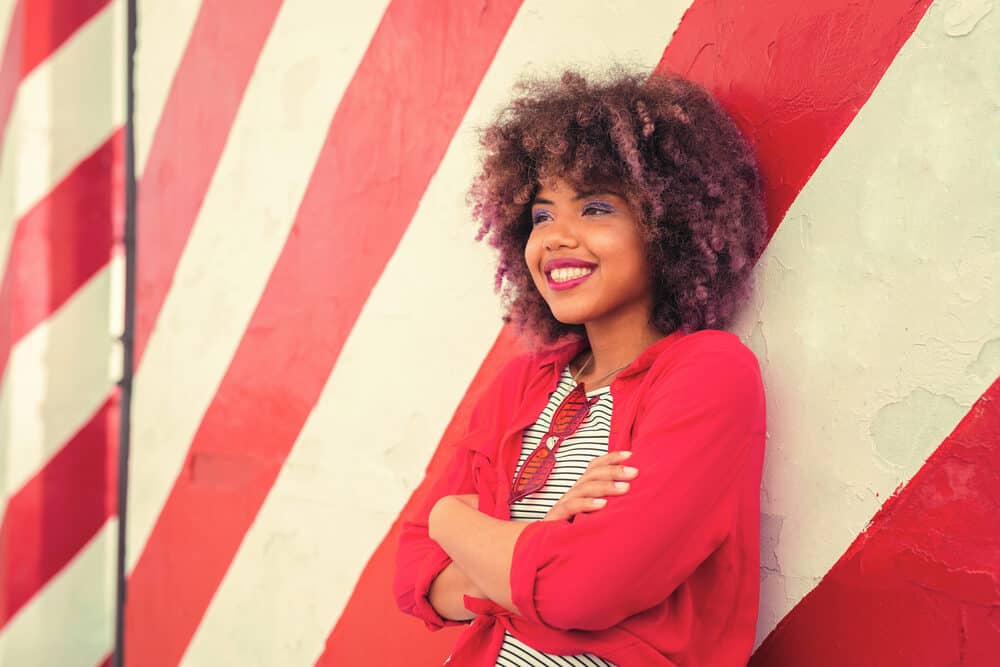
[128,331]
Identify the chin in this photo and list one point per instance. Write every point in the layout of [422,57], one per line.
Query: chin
[571,315]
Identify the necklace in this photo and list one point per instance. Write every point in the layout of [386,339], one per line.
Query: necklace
[576,377]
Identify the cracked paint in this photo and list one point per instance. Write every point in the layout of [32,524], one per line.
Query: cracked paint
[915,423]
[770,533]
[962,16]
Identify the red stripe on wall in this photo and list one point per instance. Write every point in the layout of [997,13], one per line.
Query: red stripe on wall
[49,23]
[10,67]
[921,586]
[59,510]
[357,637]
[793,74]
[37,29]
[61,243]
[780,71]
[362,195]
[192,131]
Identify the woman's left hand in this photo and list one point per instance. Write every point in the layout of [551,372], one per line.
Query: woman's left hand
[605,476]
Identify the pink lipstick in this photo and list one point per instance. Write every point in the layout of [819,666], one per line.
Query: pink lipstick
[566,273]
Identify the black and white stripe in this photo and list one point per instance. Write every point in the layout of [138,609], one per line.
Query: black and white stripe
[572,457]
[515,653]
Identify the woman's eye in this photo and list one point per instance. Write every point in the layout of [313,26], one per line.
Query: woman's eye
[598,208]
[539,216]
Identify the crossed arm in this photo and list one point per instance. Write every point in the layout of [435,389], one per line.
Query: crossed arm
[481,548]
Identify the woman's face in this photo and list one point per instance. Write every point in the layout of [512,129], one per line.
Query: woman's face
[587,256]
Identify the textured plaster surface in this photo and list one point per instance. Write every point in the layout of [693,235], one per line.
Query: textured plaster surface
[922,583]
[876,317]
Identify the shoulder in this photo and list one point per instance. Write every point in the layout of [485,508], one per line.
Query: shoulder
[707,380]
[709,348]
[707,363]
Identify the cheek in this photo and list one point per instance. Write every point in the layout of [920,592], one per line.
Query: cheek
[628,255]
[532,256]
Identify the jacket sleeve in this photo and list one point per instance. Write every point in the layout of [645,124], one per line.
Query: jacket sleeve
[699,429]
[419,559]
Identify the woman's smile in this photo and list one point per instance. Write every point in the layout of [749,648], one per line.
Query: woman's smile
[565,273]
[562,279]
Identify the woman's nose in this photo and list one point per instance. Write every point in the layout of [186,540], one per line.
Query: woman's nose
[559,234]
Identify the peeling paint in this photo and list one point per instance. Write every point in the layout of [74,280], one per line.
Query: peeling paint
[770,533]
[987,360]
[962,16]
[805,231]
[912,424]
[758,343]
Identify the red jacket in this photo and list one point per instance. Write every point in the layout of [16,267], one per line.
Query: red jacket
[666,574]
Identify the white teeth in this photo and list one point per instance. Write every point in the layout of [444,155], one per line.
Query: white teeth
[569,273]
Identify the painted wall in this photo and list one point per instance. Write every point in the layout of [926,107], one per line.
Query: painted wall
[61,215]
[314,320]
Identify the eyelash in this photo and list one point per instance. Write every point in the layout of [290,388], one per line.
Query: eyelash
[594,207]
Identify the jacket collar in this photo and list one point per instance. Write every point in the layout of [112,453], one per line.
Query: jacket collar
[559,356]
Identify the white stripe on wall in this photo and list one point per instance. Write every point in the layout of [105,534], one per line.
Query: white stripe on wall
[422,334]
[162,33]
[241,228]
[58,375]
[64,110]
[70,623]
[876,319]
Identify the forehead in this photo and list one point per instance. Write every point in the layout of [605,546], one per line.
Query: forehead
[560,187]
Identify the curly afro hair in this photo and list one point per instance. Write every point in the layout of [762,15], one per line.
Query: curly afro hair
[689,176]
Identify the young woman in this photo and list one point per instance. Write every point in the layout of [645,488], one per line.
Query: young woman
[603,507]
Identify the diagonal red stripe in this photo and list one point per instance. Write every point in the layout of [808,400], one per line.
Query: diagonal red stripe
[10,66]
[793,74]
[791,99]
[188,144]
[921,586]
[61,243]
[49,23]
[37,29]
[59,510]
[361,197]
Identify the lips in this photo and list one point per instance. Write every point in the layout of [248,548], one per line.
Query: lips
[564,273]
[566,262]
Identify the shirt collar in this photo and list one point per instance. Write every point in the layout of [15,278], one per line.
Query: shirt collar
[559,356]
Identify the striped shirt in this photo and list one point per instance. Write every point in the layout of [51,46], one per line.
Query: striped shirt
[572,457]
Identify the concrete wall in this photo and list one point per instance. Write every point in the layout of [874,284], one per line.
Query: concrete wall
[62,109]
[314,320]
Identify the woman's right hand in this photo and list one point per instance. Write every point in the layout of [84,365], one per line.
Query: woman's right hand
[605,476]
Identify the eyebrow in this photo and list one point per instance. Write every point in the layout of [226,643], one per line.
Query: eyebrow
[582,195]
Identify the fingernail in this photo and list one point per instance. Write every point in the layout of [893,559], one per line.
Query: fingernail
[625,454]
[622,486]
[600,502]
[629,470]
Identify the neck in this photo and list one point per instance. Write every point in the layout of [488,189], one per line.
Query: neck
[617,344]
